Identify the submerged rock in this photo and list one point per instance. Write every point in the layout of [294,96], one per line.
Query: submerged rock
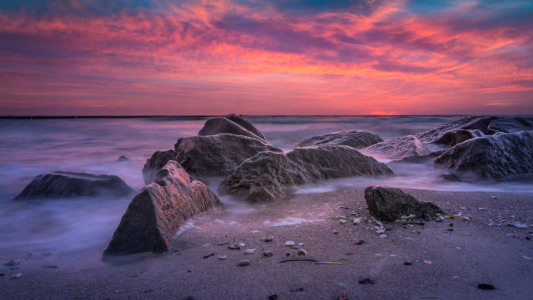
[450,177]
[390,204]
[437,135]
[215,126]
[217,155]
[399,147]
[272,175]
[123,158]
[453,138]
[418,159]
[500,156]
[155,163]
[245,124]
[58,185]
[510,124]
[357,139]
[155,214]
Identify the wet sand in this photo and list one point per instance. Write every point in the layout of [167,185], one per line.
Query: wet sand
[445,264]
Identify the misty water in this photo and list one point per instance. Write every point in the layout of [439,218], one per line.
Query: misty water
[33,147]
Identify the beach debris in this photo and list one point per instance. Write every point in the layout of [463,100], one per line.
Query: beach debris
[361,242]
[526,257]
[429,262]
[342,221]
[366,281]
[249,251]
[241,245]
[209,255]
[390,204]
[11,263]
[49,267]
[16,276]
[243,263]
[383,236]
[268,239]
[221,257]
[486,286]
[302,252]
[268,254]
[408,263]
[289,243]
[233,247]
[272,297]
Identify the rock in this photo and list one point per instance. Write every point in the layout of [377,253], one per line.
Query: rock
[268,254]
[155,214]
[399,147]
[123,158]
[366,281]
[390,204]
[273,175]
[453,138]
[485,286]
[58,185]
[510,124]
[246,125]
[437,135]
[357,139]
[217,155]
[272,297]
[500,156]
[243,263]
[209,255]
[215,126]
[11,263]
[418,159]
[408,263]
[450,177]
[155,163]
[361,242]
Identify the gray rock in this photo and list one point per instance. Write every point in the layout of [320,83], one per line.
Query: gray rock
[245,124]
[453,138]
[58,185]
[418,159]
[510,124]
[155,214]
[399,147]
[500,156]
[271,175]
[450,177]
[217,155]
[222,125]
[155,163]
[389,204]
[123,158]
[357,139]
[471,122]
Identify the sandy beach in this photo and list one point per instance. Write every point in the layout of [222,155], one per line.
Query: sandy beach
[449,258]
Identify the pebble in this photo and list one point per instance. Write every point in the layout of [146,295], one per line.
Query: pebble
[209,255]
[361,242]
[268,254]
[335,232]
[249,251]
[342,221]
[493,197]
[16,276]
[357,221]
[242,245]
[289,243]
[268,238]
[366,281]
[243,263]
[300,244]
[272,297]
[408,263]
[486,286]
[222,256]
[233,247]
[383,236]
[302,252]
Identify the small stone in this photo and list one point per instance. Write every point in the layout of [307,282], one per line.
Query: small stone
[408,263]
[302,252]
[361,242]
[16,276]
[221,257]
[243,263]
[272,297]
[242,245]
[383,236]
[357,221]
[493,197]
[11,263]
[349,253]
[342,221]
[366,281]
[300,244]
[450,229]
[268,254]
[486,286]
[209,255]
[233,247]
[288,254]
[249,251]
[335,232]
[268,239]
[289,243]
[297,290]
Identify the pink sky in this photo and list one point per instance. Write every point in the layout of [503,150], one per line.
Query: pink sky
[265,57]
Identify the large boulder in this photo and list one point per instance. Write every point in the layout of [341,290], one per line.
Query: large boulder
[223,125]
[357,139]
[273,175]
[389,204]
[510,124]
[500,156]
[155,163]
[439,135]
[452,138]
[217,155]
[245,124]
[155,214]
[59,185]
[399,147]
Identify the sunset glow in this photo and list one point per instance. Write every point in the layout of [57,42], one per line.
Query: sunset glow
[135,57]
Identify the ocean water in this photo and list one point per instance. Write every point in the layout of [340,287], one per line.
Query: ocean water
[33,147]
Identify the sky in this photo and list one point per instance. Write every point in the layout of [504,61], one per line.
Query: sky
[264,57]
